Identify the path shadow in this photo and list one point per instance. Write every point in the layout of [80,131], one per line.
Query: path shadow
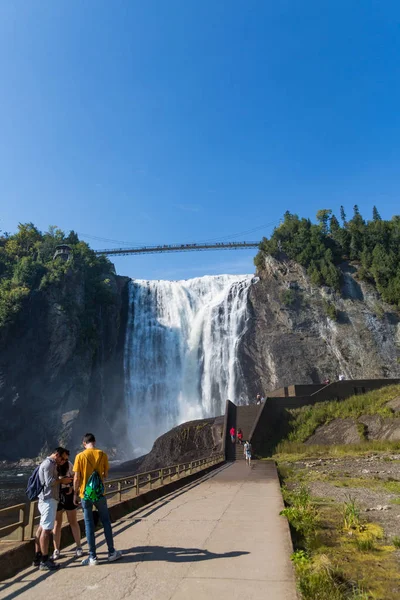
[174,554]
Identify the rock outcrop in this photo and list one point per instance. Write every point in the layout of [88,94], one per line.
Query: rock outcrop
[354,431]
[189,441]
[291,339]
[61,370]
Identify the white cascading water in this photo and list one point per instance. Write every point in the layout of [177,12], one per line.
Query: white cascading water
[181,352]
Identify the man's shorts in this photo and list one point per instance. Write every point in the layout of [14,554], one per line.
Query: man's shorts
[48,512]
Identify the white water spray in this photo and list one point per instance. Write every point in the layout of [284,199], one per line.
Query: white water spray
[181,352]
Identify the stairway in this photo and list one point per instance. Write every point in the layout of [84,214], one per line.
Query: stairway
[245,418]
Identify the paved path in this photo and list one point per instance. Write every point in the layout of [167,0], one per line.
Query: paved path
[220,537]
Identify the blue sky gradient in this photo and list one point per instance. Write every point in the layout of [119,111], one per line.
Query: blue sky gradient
[162,122]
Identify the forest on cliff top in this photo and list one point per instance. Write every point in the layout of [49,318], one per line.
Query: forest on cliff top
[27,266]
[321,247]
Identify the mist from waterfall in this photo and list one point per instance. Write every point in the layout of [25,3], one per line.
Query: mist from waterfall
[181,352]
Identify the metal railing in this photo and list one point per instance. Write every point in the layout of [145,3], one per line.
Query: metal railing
[23,528]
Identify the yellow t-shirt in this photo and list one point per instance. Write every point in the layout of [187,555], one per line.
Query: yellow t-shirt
[86,462]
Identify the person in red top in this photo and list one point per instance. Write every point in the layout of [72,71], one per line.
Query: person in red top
[240,436]
[232,431]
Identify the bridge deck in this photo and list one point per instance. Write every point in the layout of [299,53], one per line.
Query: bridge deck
[179,248]
[220,537]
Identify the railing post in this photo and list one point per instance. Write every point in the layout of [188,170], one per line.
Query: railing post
[21,533]
[31,522]
[177,472]
[137,485]
[161,476]
[190,467]
[119,491]
[149,480]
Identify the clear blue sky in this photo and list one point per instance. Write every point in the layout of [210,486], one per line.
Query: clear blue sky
[177,121]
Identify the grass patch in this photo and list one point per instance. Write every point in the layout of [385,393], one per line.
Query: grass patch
[338,555]
[351,514]
[304,421]
[294,451]
[392,486]
[396,541]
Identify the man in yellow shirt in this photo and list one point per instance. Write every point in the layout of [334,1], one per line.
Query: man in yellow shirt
[86,462]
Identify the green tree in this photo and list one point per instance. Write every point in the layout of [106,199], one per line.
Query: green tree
[375,214]
[323,217]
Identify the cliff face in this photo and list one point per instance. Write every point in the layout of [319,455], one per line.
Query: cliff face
[189,441]
[61,370]
[291,339]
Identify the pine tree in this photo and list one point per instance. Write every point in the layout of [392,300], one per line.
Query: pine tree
[343,215]
[323,217]
[375,214]
[334,226]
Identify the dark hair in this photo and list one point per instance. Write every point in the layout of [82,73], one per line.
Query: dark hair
[89,438]
[60,451]
[63,469]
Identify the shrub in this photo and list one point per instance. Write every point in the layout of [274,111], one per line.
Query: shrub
[364,544]
[396,541]
[351,514]
[301,514]
[288,297]
[330,310]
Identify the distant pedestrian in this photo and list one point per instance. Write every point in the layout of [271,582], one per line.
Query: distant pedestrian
[247,452]
[232,432]
[47,505]
[239,436]
[90,471]
[66,504]
[258,399]
[341,377]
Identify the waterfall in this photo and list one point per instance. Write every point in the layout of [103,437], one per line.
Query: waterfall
[181,352]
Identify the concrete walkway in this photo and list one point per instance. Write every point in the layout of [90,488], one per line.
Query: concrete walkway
[220,537]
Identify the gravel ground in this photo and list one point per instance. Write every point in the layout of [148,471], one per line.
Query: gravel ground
[376,504]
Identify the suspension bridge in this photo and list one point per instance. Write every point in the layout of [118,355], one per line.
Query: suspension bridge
[178,248]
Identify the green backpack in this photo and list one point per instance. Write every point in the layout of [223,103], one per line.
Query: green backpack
[94,488]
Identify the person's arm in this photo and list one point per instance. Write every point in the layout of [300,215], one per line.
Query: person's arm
[48,478]
[77,481]
[105,467]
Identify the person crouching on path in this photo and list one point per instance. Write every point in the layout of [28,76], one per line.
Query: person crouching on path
[90,467]
[66,504]
[47,505]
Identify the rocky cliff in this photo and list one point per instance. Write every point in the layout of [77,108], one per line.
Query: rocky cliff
[61,369]
[302,333]
[189,441]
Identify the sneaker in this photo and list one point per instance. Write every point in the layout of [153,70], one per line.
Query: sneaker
[114,556]
[37,560]
[56,555]
[78,552]
[49,565]
[89,562]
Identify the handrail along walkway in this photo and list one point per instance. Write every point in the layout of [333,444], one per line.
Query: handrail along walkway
[138,483]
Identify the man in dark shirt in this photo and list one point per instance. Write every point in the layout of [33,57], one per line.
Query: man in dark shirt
[47,505]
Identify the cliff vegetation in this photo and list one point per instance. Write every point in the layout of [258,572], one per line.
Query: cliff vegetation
[27,266]
[321,247]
